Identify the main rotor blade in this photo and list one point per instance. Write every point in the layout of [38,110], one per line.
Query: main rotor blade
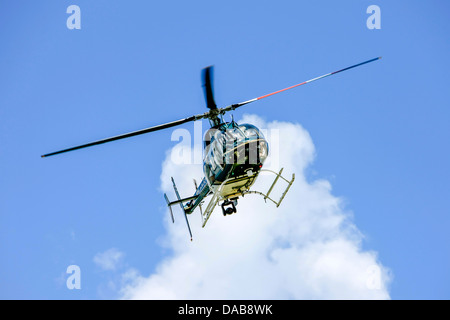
[237,105]
[207,75]
[127,135]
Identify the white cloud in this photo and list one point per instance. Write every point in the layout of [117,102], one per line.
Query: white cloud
[109,260]
[308,248]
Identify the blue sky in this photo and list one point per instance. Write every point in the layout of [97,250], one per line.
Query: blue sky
[380,131]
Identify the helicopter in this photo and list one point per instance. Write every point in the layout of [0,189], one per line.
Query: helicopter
[233,155]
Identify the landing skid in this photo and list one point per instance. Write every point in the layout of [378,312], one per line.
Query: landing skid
[230,200]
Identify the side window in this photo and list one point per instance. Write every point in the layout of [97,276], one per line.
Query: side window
[217,153]
[212,160]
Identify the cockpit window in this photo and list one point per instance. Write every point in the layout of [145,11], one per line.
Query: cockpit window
[250,131]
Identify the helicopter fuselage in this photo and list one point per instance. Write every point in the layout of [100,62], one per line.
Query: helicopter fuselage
[233,156]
